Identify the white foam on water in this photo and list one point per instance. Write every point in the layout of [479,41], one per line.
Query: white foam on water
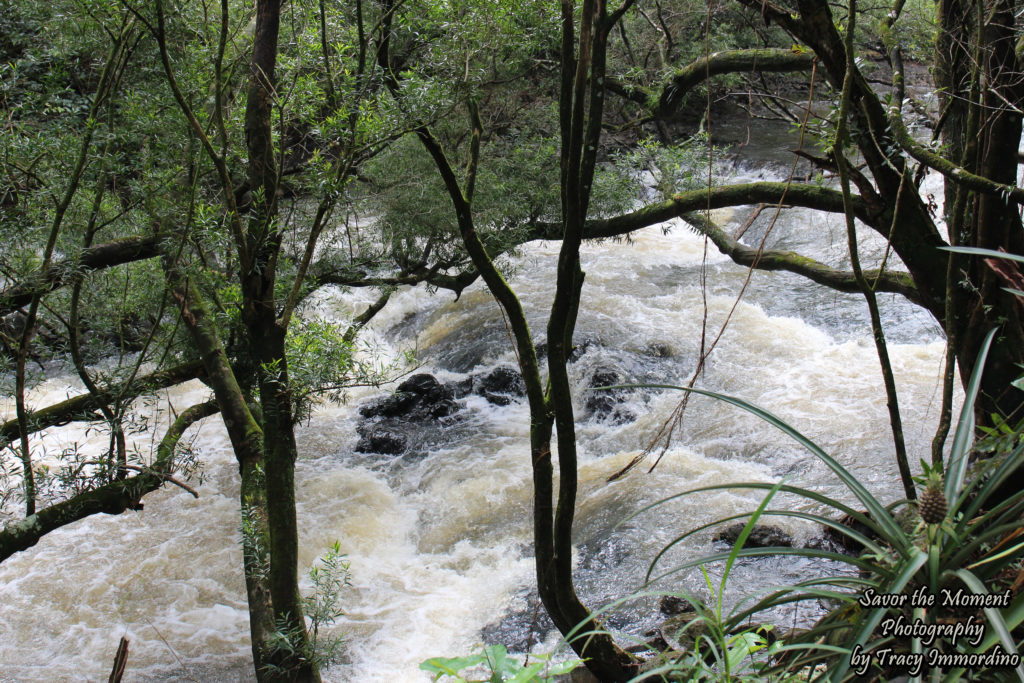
[440,547]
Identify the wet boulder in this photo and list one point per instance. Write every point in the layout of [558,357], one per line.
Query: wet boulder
[462,388]
[501,385]
[658,350]
[674,605]
[394,424]
[378,439]
[604,404]
[419,398]
[761,536]
[580,349]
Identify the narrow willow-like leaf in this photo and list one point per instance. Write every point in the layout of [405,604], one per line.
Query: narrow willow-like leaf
[786,597]
[915,643]
[806,493]
[808,516]
[990,253]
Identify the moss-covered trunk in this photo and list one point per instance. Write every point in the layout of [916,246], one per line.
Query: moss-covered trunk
[247,442]
[979,76]
[266,333]
[279,454]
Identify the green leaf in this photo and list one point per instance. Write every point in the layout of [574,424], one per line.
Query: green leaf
[957,468]
[450,666]
[526,674]
[564,668]
[990,253]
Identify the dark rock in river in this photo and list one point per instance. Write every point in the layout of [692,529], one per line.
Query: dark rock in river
[658,350]
[524,624]
[580,349]
[761,536]
[463,387]
[604,404]
[836,541]
[501,385]
[419,398]
[672,605]
[381,440]
[391,425]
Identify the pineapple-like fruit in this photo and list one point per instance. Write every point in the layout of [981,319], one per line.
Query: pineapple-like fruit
[932,505]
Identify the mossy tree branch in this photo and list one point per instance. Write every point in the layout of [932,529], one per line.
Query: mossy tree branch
[112,498]
[949,170]
[760,60]
[61,273]
[839,280]
[83,407]
[665,100]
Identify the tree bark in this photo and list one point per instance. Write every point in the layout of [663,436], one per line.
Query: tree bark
[63,272]
[266,345]
[82,407]
[247,443]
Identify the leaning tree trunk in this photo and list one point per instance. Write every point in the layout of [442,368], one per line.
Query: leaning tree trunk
[247,443]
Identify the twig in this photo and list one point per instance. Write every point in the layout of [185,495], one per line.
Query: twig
[120,662]
[165,477]
[188,673]
[750,221]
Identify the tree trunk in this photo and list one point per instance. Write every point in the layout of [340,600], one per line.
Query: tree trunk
[247,442]
[279,454]
[266,338]
[979,76]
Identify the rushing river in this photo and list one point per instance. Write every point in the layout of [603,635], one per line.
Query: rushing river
[440,544]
